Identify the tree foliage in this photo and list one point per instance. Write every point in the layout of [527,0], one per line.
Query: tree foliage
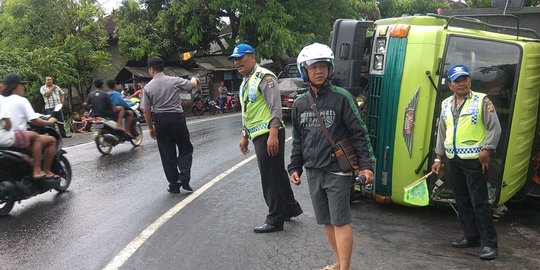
[397,8]
[61,38]
[277,28]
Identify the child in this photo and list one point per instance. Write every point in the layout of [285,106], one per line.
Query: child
[87,122]
[76,123]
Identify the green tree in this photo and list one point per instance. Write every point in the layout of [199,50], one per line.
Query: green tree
[397,8]
[487,3]
[277,28]
[62,38]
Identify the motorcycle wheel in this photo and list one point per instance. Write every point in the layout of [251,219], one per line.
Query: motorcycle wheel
[235,107]
[103,147]
[65,174]
[196,111]
[212,110]
[137,140]
[6,203]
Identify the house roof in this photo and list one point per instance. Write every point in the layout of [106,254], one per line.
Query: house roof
[128,73]
[215,62]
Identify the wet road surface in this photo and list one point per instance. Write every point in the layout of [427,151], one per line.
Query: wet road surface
[114,198]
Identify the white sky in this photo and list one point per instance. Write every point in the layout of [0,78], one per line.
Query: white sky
[109,5]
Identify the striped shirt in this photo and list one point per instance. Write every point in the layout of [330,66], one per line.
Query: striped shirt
[54,98]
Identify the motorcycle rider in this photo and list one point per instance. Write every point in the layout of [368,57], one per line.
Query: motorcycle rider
[121,107]
[98,102]
[15,112]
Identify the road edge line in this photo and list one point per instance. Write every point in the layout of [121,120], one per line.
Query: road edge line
[124,255]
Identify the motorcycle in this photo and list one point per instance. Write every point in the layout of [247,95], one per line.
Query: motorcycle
[231,104]
[16,182]
[106,135]
[135,104]
[201,106]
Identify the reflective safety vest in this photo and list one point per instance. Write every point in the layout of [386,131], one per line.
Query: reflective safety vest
[466,135]
[255,111]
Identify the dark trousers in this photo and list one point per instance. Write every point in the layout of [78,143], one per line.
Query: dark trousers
[276,187]
[174,146]
[471,194]
[60,117]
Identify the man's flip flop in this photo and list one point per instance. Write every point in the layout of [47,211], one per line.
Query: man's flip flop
[54,176]
[40,178]
[328,267]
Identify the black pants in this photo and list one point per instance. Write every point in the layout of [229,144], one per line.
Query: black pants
[60,117]
[173,135]
[471,194]
[276,187]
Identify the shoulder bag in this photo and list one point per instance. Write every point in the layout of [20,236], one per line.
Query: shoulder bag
[343,150]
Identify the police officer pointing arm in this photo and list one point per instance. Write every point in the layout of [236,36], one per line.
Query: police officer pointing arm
[161,96]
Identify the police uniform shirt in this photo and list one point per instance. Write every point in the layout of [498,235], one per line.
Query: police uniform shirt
[491,122]
[162,93]
[271,94]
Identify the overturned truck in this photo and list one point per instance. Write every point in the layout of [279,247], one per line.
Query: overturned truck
[397,70]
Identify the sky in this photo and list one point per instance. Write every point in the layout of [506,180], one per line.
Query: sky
[109,5]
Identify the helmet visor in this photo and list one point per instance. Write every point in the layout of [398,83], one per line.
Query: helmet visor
[308,63]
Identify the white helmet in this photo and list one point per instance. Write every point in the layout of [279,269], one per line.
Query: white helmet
[314,53]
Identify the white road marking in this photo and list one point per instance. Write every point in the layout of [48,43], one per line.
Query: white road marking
[188,123]
[136,243]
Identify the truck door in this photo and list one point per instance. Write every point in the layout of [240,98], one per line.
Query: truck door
[494,68]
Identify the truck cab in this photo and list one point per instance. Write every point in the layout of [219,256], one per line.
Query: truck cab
[397,70]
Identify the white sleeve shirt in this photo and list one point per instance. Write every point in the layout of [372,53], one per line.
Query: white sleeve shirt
[20,111]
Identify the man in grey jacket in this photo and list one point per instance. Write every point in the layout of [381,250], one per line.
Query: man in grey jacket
[328,186]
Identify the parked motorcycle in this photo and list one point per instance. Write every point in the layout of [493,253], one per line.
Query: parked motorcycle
[16,182]
[231,103]
[201,106]
[106,135]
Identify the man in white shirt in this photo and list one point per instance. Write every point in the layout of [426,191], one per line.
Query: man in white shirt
[16,112]
[53,95]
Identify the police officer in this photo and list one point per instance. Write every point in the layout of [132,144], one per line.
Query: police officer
[262,123]
[161,97]
[468,132]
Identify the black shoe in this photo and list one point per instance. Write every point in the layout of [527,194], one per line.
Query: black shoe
[268,228]
[66,136]
[174,190]
[294,214]
[187,188]
[464,243]
[488,253]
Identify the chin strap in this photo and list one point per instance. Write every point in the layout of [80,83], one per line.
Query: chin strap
[320,86]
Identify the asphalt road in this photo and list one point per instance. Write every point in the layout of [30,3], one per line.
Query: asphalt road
[118,214]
